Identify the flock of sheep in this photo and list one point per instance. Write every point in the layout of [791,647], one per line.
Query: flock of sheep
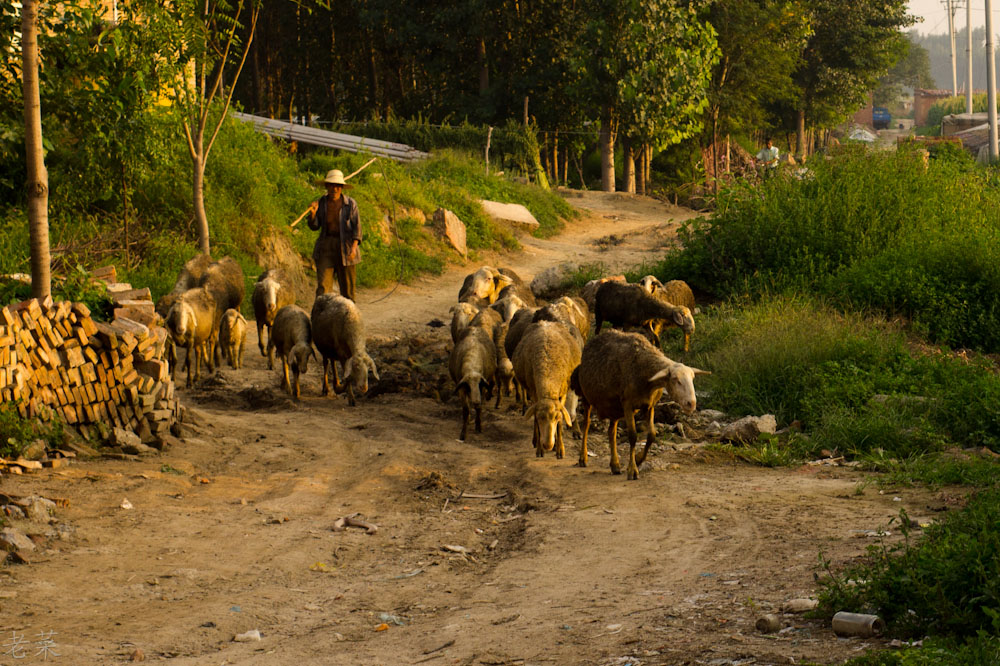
[504,341]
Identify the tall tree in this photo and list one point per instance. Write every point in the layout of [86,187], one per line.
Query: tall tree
[38,180]
[647,66]
[913,71]
[852,46]
[212,54]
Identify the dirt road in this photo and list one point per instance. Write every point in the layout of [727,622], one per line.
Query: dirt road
[546,563]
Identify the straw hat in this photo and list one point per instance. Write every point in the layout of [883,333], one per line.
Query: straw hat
[335,177]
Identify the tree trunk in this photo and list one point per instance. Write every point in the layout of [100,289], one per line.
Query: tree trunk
[565,167]
[715,153]
[628,166]
[639,157]
[198,191]
[38,179]
[800,134]
[606,141]
[647,153]
[555,158]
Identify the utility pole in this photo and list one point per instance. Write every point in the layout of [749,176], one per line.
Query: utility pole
[991,83]
[951,36]
[968,55]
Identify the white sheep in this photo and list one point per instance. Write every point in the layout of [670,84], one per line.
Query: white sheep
[543,362]
[472,365]
[269,296]
[461,315]
[191,324]
[339,334]
[232,337]
[621,373]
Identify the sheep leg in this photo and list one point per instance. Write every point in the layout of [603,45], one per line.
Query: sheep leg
[350,394]
[285,384]
[260,337]
[536,439]
[633,469]
[326,375]
[239,356]
[465,417]
[295,375]
[616,466]
[338,388]
[586,429]
[270,354]
[560,448]
[187,363]
[650,437]
[479,418]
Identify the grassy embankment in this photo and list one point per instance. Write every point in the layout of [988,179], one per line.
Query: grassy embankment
[864,303]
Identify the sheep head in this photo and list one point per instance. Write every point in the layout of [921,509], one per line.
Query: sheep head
[473,385]
[356,370]
[181,323]
[548,413]
[298,357]
[650,284]
[678,380]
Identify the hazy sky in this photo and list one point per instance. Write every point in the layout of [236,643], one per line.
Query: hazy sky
[936,16]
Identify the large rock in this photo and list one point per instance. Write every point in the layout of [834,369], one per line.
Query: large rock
[549,282]
[12,540]
[38,509]
[451,228]
[125,438]
[747,429]
[513,214]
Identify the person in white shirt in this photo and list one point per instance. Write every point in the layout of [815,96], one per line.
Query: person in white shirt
[768,158]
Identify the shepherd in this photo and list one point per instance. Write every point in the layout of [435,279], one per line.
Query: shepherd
[337,249]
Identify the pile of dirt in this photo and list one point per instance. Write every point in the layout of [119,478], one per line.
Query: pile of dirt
[416,364]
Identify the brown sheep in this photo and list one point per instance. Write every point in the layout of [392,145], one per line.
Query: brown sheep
[291,335]
[461,315]
[630,305]
[472,366]
[620,373]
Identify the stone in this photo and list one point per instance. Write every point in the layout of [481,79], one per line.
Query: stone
[144,432]
[125,438]
[157,369]
[35,450]
[514,214]
[137,448]
[164,442]
[12,539]
[748,428]
[38,509]
[452,229]
[549,282]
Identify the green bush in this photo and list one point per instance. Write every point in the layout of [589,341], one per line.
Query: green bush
[956,104]
[872,230]
[980,650]
[77,286]
[16,433]
[852,382]
[947,583]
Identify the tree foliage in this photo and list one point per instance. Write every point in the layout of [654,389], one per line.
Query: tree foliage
[913,70]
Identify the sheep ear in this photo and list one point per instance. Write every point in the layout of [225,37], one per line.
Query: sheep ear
[661,376]
[701,372]
[679,317]
[459,386]
[567,417]
[347,367]
[530,413]
[371,365]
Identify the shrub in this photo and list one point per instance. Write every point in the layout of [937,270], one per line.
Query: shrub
[16,433]
[944,584]
[871,230]
[851,381]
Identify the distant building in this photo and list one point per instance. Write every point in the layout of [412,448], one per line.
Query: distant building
[923,100]
[863,116]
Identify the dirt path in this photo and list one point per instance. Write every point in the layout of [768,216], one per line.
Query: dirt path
[231,531]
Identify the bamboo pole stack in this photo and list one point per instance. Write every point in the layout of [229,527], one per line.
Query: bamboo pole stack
[57,362]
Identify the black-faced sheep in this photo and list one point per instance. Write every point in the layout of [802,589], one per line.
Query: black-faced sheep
[472,365]
[291,335]
[232,337]
[630,305]
[191,324]
[269,296]
[339,334]
[543,362]
[620,373]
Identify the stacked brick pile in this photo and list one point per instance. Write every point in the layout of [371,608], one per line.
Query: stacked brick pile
[55,360]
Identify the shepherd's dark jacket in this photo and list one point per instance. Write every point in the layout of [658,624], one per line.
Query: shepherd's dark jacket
[350,228]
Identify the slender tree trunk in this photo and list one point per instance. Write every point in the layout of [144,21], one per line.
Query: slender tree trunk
[565,167]
[800,134]
[639,158]
[555,158]
[715,151]
[647,153]
[38,179]
[606,141]
[628,166]
[579,169]
[255,75]
[198,193]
